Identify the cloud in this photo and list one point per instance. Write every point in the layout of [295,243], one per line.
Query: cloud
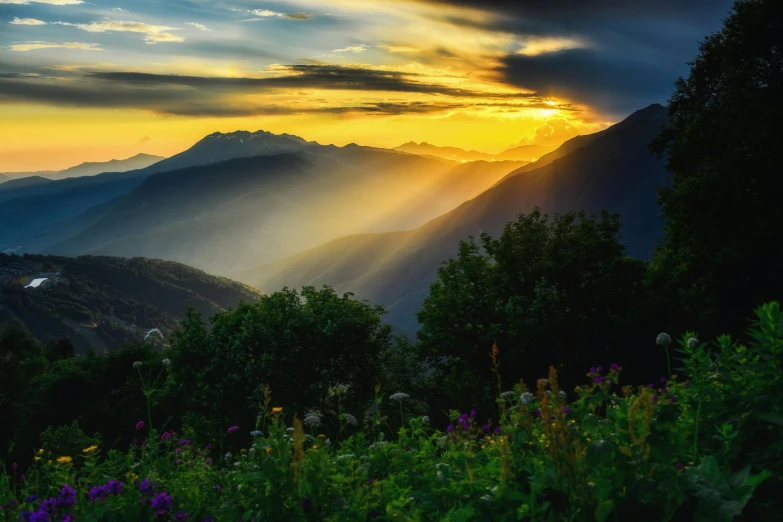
[351,49]
[402,49]
[152,33]
[32,46]
[27,21]
[144,140]
[198,26]
[222,96]
[266,13]
[50,2]
[536,46]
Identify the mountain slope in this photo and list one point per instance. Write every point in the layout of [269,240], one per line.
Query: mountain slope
[238,213]
[613,170]
[139,161]
[524,153]
[102,302]
[3,178]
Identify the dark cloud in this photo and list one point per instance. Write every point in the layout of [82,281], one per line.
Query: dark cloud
[210,96]
[633,50]
[307,76]
[298,16]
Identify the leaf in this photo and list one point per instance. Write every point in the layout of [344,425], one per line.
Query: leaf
[774,418]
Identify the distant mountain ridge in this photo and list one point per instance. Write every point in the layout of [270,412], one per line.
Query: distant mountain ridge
[102,302]
[612,169]
[90,168]
[526,153]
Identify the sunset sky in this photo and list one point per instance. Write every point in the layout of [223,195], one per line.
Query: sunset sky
[96,80]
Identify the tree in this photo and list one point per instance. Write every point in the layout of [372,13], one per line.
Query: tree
[723,249]
[298,344]
[556,292]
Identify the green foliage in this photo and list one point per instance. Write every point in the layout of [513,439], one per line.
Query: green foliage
[603,453]
[67,440]
[722,253]
[300,345]
[546,292]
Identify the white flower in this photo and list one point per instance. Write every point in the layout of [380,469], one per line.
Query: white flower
[350,419]
[251,450]
[228,456]
[692,342]
[562,394]
[346,456]
[237,464]
[338,390]
[137,364]
[663,339]
[507,395]
[526,398]
[425,420]
[442,441]
[166,362]
[399,396]
[328,442]
[441,466]
[256,433]
[312,420]
[289,430]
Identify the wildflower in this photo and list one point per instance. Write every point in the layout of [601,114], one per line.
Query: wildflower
[600,369]
[90,449]
[562,394]
[256,433]
[566,410]
[228,456]
[526,398]
[673,399]
[67,497]
[32,498]
[312,420]
[450,428]
[181,515]
[399,396]
[472,413]
[485,427]
[592,369]
[692,342]
[663,339]
[497,429]
[269,450]
[679,466]
[662,379]
[425,420]
[139,425]
[64,460]
[337,390]
[277,409]
[537,412]
[233,429]
[655,398]
[506,394]
[14,466]
[599,379]
[166,362]
[161,503]
[614,367]
[165,436]
[350,419]
[370,481]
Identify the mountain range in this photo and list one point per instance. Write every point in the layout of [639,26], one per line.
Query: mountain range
[525,153]
[276,195]
[90,168]
[276,210]
[612,169]
[101,302]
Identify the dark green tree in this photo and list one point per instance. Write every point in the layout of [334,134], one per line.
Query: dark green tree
[299,344]
[548,292]
[723,250]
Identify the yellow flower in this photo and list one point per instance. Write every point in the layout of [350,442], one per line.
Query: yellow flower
[90,449]
[321,436]
[277,409]
[573,421]
[64,460]
[482,446]
[243,451]
[269,450]
[315,448]
[37,458]
[40,450]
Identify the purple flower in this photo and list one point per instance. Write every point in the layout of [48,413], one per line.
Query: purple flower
[140,425]
[673,399]
[182,516]
[218,488]
[161,503]
[233,429]
[146,487]
[485,427]
[655,398]
[98,493]
[598,380]
[370,481]
[465,427]
[679,466]
[664,390]
[472,413]
[599,369]
[614,367]
[114,487]
[69,518]
[566,410]
[450,428]
[32,498]
[497,429]
[592,369]
[67,497]
[538,412]
[14,465]
[165,436]
[663,379]
[651,386]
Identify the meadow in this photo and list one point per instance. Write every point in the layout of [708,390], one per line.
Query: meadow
[698,444]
